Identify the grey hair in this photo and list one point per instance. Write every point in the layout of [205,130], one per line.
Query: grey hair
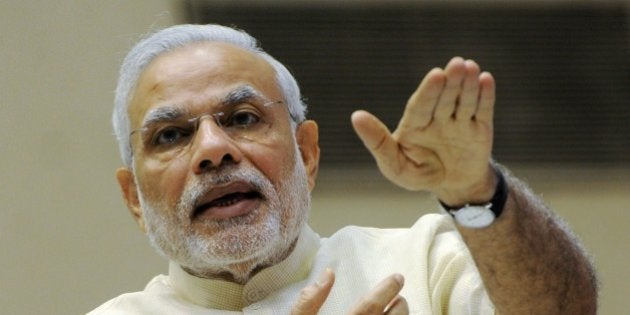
[177,36]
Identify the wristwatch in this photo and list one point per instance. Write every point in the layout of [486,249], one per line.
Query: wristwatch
[477,216]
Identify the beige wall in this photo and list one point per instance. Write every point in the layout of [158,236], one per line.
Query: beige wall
[68,244]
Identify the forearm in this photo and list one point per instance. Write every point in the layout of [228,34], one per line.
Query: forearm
[529,260]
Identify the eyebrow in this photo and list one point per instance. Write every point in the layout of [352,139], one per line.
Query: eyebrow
[162,114]
[239,95]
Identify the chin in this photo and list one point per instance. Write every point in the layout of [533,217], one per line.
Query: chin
[239,247]
[240,257]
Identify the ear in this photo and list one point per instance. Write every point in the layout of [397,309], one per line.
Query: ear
[307,137]
[130,195]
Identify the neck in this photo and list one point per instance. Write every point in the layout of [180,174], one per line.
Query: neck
[240,272]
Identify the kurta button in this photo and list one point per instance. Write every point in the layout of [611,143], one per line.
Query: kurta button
[254,295]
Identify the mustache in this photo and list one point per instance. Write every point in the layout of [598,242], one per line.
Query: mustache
[202,185]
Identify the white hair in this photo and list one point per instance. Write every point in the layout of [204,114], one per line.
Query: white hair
[178,36]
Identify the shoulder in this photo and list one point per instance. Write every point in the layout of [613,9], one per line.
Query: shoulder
[427,227]
[140,302]
[429,233]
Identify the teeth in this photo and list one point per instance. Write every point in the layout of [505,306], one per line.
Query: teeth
[228,201]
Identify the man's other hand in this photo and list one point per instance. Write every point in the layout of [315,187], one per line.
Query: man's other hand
[383,299]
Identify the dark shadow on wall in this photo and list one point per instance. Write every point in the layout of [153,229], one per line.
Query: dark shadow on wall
[562,70]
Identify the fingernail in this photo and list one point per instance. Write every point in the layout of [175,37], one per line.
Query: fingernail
[399,278]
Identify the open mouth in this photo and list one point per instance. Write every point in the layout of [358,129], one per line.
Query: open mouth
[229,201]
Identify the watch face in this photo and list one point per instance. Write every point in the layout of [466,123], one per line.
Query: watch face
[475,217]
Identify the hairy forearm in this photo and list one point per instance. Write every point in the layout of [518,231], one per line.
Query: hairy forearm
[529,260]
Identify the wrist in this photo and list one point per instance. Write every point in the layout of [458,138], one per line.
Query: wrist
[478,193]
[495,204]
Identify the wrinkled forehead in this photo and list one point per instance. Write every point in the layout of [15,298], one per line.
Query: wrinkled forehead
[199,73]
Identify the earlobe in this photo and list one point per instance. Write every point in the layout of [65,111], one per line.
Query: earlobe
[129,192]
[307,137]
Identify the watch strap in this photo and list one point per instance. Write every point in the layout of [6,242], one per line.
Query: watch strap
[496,204]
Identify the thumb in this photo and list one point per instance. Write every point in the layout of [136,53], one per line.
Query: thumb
[375,136]
[313,296]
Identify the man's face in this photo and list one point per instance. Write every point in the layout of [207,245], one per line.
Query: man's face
[220,179]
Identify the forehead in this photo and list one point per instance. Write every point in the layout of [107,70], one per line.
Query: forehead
[198,75]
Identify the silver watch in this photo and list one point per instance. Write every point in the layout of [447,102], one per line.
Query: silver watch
[481,215]
[474,216]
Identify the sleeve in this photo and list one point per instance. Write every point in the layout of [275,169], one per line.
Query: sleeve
[454,282]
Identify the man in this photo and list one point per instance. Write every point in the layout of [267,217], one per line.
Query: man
[220,162]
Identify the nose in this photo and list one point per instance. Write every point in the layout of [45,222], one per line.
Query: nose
[212,148]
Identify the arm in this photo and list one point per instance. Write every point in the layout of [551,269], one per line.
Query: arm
[528,261]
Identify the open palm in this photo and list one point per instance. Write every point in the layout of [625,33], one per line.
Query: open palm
[443,141]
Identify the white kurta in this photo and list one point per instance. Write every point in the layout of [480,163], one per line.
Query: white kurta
[440,276]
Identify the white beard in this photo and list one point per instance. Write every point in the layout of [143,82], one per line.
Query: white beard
[237,245]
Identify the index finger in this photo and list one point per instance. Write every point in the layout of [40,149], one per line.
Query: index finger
[312,297]
[377,300]
[421,105]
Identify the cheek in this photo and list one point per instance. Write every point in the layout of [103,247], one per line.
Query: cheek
[163,182]
[275,161]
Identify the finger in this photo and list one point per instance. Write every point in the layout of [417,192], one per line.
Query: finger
[469,96]
[313,296]
[485,110]
[381,296]
[420,106]
[375,136]
[398,306]
[455,71]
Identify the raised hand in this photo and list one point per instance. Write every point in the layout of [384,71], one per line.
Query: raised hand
[443,141]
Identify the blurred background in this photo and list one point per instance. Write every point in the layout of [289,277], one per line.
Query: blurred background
[67,242]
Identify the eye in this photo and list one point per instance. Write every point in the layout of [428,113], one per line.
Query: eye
[170,136]
[242,119]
